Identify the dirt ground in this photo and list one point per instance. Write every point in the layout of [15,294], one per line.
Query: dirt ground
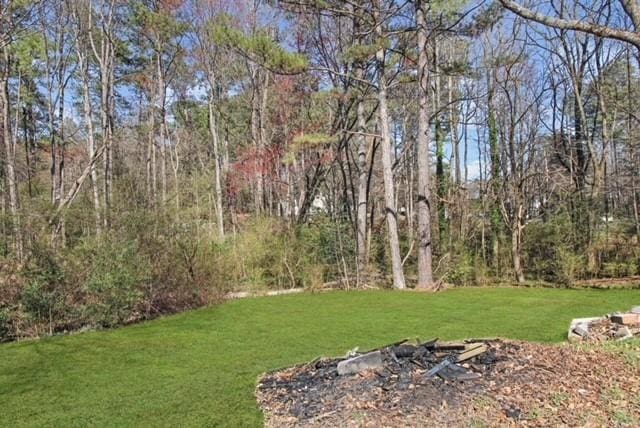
[521,384]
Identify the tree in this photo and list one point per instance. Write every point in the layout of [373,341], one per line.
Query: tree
[210,56]
[391,213]
[425,274]
[83,17]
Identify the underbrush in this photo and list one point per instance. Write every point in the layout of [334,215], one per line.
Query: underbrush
[145,268]
[554,254]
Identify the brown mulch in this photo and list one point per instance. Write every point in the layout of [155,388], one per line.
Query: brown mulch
[604,330]
[522,384]
[623,282]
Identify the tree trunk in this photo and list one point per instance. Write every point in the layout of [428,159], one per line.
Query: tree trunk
[10,153]
[88,118]
[439,134]
[162,99]
[496,185]
[217,184]
[105,93]
[387,171]
[151,157]
[362,208]
[425,269]
[257,141]
[516,245]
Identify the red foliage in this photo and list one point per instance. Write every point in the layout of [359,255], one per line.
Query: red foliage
[170,5]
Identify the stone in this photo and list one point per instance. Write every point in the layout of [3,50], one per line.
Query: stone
[372,360]
[626,319]
[581,329]
[575,322]
[623,333]
[635,310]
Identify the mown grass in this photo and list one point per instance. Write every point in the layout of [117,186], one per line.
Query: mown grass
[200,368]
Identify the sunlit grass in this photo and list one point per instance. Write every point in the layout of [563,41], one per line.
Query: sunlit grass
[200,368]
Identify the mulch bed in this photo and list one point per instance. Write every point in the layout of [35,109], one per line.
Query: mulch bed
[521,384]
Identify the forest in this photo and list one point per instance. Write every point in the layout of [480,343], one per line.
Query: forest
[159,154]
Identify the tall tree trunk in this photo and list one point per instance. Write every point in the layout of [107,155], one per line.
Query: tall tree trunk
[107,142]
[217,184]
[425,269]
[61,155]
[151,156]
[104,53]
[257,140]
[27,148]
[10,153]
[440,135]
[262,115]
[83,66]
[162,99]
[362,208]
[387,169]
[516,243]
[496,186]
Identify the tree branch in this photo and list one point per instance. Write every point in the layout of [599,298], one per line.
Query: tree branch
[631,37]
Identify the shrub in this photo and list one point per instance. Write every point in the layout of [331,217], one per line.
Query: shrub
[116,276]
[5,325]
[568,266]
[549,251]
[43,297]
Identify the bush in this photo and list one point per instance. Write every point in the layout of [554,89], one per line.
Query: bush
[568,266]
[619,270]
[5,325]
[186,272]
[43,298]
[116,277]
[549,253]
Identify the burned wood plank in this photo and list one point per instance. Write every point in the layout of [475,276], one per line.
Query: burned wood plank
[450,346]
[435,369]
[472,352]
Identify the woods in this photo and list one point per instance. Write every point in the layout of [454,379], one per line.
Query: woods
[157,154]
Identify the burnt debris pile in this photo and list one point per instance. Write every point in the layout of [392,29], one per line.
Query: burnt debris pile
[486,382]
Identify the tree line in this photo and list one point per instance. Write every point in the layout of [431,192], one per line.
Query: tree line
[296,142]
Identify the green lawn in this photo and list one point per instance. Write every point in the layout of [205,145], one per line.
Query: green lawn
[200,368]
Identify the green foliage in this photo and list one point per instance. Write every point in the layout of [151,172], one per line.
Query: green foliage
[569,266]
[313,140]
[269,254]
[115,280]
[619,270]
[43,297]
[549,254]
[42,301]
[362,52]
[26,50]
[465,268]
[447,6]
[462,270]
[260,47]
[158,20]
[5,319]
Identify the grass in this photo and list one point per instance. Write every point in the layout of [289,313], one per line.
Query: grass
[200,368]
